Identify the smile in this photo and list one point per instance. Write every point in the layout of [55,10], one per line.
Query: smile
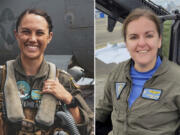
[32,47]
[142,52]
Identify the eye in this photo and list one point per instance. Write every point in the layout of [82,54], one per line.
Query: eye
[133,37]
[26,32]
[149,35]
[40,33]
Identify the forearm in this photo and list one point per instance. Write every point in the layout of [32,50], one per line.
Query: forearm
[73,110]
[76,114]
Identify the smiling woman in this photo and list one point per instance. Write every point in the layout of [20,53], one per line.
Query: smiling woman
[143,42]
[142,94]
[36,89]
[33,36]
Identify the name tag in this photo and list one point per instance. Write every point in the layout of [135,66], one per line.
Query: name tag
[151,93]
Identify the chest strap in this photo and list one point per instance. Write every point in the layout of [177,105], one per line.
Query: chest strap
[14,109]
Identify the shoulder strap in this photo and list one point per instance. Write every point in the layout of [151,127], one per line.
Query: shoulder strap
[47,108]
[57,73]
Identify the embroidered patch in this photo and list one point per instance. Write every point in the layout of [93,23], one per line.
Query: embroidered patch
[75,85]
[36,95]
[119,88]
[24,89]
[151,93]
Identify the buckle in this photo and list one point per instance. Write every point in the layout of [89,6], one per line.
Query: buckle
[28,125]
[30,104]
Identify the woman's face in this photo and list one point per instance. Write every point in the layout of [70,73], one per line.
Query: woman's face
[143,41]
[33,36]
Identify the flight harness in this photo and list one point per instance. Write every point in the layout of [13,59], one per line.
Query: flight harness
[12,108]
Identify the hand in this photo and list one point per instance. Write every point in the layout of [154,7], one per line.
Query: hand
[55,88]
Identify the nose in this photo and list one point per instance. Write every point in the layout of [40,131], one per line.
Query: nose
[33,38]
[141,41]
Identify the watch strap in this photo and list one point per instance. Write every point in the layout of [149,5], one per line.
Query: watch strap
[73,103]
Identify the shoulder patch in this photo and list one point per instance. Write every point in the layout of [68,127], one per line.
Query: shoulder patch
[75,85]
[119,87]
[69,79]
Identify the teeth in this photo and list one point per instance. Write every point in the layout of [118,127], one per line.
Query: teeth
[142,51]
[32,47]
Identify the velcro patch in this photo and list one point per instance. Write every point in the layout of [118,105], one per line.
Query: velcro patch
[24,89]
[151,93]
[119,87]
[36,94]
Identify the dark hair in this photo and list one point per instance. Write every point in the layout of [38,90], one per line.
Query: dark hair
[36,12]
[141,12]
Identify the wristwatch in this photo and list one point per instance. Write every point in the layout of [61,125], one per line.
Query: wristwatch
[73,103]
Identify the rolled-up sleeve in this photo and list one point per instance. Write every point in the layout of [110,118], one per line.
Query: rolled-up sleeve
[86,126]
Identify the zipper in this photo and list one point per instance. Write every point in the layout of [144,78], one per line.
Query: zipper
[127,110]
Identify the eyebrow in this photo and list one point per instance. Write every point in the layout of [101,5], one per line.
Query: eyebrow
[147,32]
[24,28]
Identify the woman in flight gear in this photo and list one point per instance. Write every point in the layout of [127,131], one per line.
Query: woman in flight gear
[33,90]
[142,94]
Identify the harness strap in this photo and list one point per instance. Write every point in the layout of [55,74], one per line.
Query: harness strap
[47,108]
[14,111]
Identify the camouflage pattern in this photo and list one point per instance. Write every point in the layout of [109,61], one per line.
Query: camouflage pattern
[147,116]
[36,83]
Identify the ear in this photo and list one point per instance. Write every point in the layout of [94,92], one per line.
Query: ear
[160,42]
[50,37]
[17,37]
[16,34]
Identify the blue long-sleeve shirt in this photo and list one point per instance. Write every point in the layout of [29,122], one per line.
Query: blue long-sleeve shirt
[139,79]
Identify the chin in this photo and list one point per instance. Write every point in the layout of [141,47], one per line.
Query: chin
[32,57]
[143,63]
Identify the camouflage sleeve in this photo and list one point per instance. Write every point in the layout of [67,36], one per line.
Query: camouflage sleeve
[104,106]
[87,115]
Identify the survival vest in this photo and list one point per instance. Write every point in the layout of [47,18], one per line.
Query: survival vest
[12,109]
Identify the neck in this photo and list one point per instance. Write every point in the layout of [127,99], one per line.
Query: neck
[31,66]
[146,67]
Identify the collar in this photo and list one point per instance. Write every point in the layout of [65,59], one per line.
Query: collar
[163,68]
[43,71]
